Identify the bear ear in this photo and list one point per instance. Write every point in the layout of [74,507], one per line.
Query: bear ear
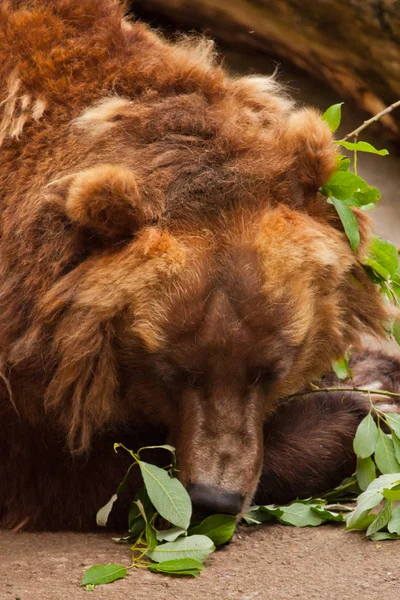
[310,141]
[104,199]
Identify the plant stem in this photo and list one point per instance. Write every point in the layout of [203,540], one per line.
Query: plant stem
[333,493]
[355,155]
[373,119]
[349,389]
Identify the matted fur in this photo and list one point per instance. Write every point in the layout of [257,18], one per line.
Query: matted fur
[166,258]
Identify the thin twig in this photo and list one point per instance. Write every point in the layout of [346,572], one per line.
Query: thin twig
[376,117]
[341,389]
[355,155]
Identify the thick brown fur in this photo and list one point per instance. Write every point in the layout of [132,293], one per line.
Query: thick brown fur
[166,258]
[308,443]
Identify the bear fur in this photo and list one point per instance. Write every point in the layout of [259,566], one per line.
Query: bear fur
[168,268]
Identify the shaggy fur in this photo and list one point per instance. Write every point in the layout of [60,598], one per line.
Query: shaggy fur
[308,444]
[166,258]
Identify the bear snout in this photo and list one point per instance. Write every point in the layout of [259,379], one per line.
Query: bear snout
[208,500]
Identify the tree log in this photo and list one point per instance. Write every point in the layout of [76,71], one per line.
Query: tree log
[353,45]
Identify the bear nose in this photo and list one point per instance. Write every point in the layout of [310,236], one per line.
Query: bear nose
[208,500]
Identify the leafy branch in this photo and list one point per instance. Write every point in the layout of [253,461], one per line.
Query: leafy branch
[373,119]
[178,550]
[316,390]
[346,190]
[182,551]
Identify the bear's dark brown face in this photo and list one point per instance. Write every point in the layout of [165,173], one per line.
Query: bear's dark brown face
[220,281]
[253,312]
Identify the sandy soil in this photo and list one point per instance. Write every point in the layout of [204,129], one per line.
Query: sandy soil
[273,562]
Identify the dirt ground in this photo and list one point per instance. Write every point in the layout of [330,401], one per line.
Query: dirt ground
[269,563]
[272,562]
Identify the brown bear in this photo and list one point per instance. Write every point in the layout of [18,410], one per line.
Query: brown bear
[169,269]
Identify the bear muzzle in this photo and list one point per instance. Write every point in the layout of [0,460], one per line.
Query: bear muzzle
[208,500]
[219,447]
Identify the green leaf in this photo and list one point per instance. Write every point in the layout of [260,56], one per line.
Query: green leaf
[384,535]
[327,515]
[168,495]
[343,162]
[366,472]
[103,574]
[300,515]
[363,521]
[372,496]
[393,421]
[162,447]
[339,507]
[373,275]
[135,517]
[170,535]
[182,566]
[364,198]
[197,547]
[180,563]
[396,446]
[256,516]
[368,207]
[312,501]
[366,437]
[104,512]
[384,254]
[362,147]
[349,486]
[349,222]
[394,523]
[191,572]
[382,518]
[271,509]
[396,330]
[137,527]
[396,281]
[151,538]
[392,494]
[219,528]
[342,369]
[344,184]
[332,116]
[388,481]
[378,268]
[385,457]
[267,512]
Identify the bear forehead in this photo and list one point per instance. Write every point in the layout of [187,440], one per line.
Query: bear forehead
[201,157]
[227,297]
[220,325]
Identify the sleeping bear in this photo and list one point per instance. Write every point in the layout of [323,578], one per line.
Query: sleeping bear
[169,271]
